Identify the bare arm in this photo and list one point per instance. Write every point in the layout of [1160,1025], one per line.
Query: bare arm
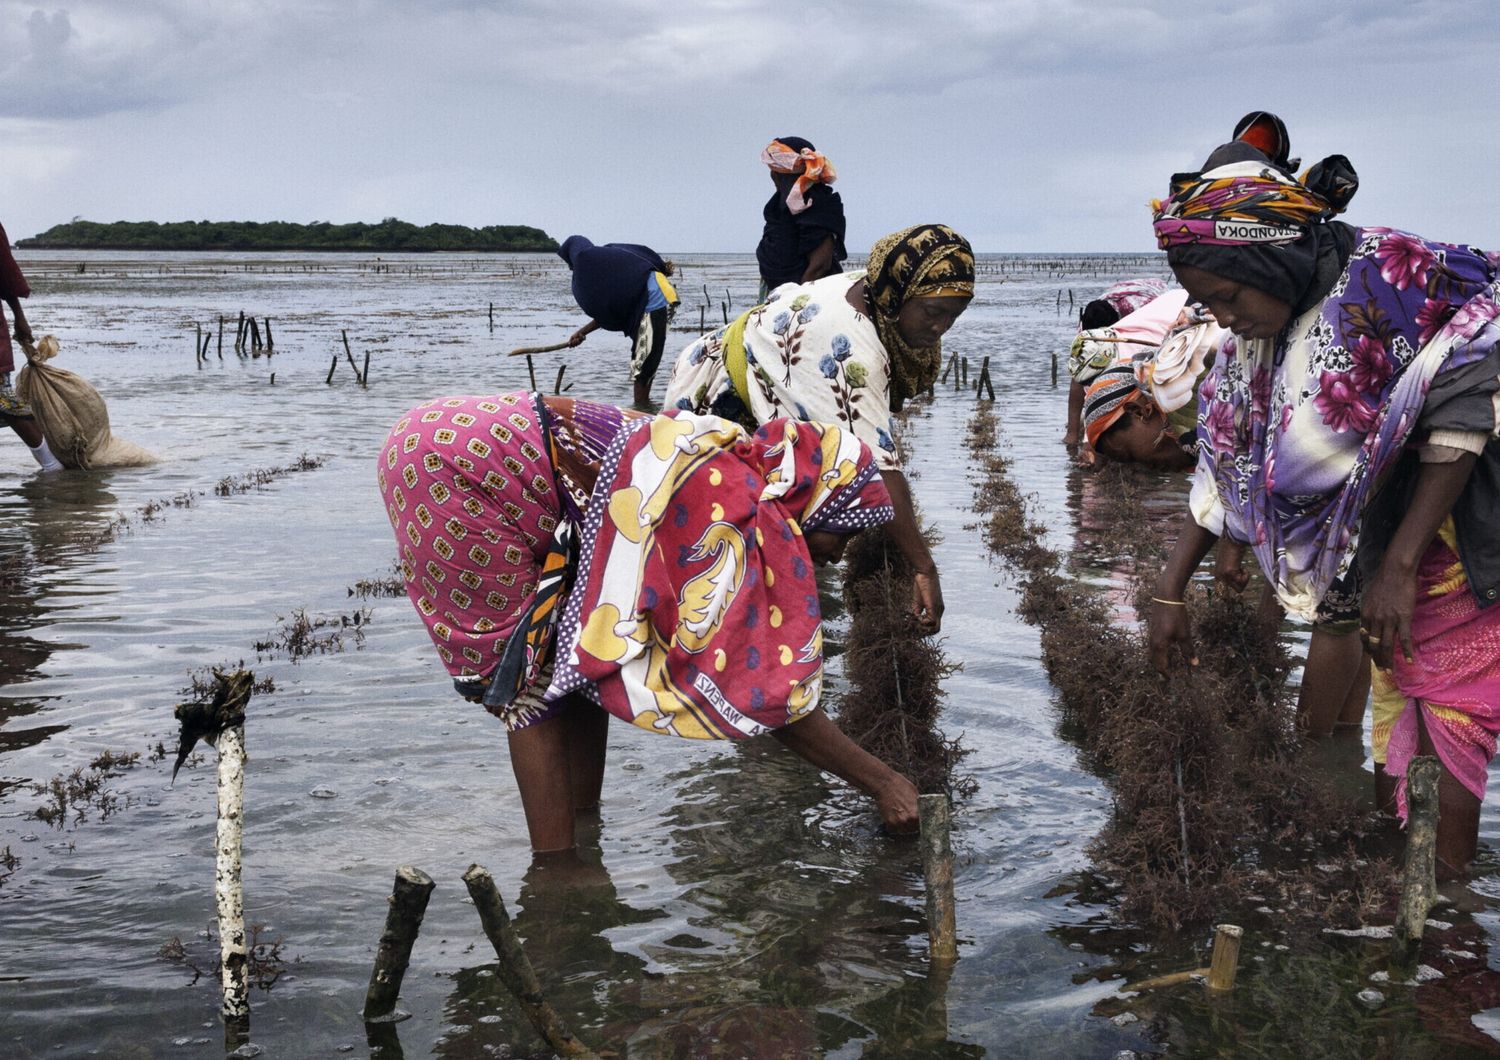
[583,332]
[1385,616]
[1074,429]
[23,328]
[928,604]
[819,261]
[1168,623]
[816,739]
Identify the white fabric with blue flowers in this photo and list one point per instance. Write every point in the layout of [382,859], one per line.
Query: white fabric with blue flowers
[809,355]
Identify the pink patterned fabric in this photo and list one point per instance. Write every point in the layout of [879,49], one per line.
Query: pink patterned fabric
[1454,680]
[469,489]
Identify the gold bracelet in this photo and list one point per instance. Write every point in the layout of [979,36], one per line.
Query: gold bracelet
[1173,603]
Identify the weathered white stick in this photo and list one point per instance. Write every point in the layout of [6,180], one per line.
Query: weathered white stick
[937,864]
[228,891]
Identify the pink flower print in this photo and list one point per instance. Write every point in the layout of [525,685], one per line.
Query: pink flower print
[1431,317]
[1268,472]
[1286,416]
[1404,260]
[1372,367]
[1339,402]
[1260,393]
[1220,425]
[1471,315]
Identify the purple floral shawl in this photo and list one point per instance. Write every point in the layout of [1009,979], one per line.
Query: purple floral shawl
[1296,433]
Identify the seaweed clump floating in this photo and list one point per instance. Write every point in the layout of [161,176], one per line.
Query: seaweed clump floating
[1216,799]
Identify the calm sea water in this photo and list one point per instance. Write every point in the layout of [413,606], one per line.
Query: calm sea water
[740,906]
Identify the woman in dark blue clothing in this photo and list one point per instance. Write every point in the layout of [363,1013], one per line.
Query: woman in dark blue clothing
[624,287]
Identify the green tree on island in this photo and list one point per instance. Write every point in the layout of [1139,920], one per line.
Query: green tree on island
[390,235]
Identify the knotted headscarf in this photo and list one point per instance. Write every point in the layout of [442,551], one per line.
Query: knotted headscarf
[924,261]
[1106,400]
[793,155]
[1244,218]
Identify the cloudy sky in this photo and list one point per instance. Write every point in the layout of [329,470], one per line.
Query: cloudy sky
[1029,125]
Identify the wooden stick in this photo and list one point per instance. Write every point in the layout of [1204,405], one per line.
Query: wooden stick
[331,367]
[531,371]
[198,343]
[964,371]
[408,904]
[528,350]
[492,316]
[364,373]
[557,386]
[952,359]
[1226,957]
[221,336]
[254,335]
[515,970]
[937,865]
[239,334]
[347,353]
[1419,873]
[229,891]
[270,343]
[1054,367]
[1167,980]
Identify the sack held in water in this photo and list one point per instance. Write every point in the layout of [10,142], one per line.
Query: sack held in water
[71,414]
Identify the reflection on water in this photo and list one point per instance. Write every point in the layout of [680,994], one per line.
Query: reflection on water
[731,902]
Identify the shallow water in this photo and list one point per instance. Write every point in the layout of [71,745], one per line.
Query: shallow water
[738,905]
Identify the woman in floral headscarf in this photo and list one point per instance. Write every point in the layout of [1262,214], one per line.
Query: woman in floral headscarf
[1347,436]
[848,349]
[567,556]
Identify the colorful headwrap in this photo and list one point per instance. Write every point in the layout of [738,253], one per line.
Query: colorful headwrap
[1237,204]
[1106,399]
[810,165]
[695,611]
[1246,218]
[924,261]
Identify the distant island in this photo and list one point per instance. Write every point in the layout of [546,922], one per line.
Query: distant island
[391,235]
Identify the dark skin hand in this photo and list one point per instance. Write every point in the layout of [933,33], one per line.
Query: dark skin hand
[1385,617]
[1168,625]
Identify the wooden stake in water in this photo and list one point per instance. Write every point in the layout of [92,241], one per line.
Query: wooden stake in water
[531,371]
[1054,367]
[229,892]
[1419,872]
[937,865]
[514,969]
[221,722]
[408,904]
[1226,957]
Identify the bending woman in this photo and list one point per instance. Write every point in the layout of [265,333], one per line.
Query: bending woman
[624,287]
[1346,435]
[567,556]
[849,350]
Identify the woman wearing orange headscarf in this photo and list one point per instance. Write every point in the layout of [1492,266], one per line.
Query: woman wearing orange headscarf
[803,239]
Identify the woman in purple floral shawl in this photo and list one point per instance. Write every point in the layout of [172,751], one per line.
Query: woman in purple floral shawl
[1347,437]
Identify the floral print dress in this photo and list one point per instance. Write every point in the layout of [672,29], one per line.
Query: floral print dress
[809,355]
[1296,433]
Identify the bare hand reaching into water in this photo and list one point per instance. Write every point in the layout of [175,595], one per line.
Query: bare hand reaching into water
[1169,627]
[927,601]
[897,803]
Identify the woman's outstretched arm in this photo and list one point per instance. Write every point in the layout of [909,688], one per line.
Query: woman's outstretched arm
[818,740]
